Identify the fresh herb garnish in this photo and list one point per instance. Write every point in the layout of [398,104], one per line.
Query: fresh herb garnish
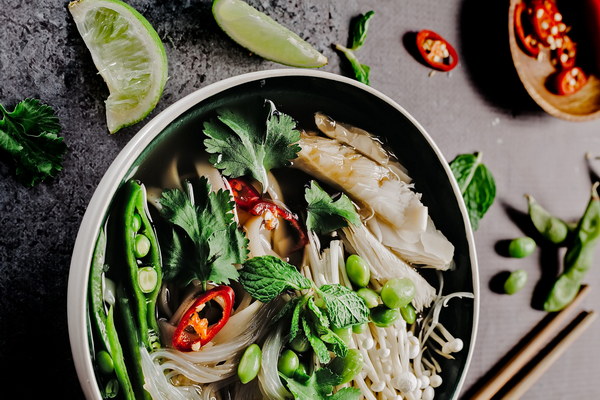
[203,223]
[29,135]
[326,215]
[476,184]
[266,277]
[358,36]
[240,147]
[344,306]
[320,386]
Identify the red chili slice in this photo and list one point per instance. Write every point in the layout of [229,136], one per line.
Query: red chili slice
[569,81]
[546,19]
[436,51]
[245,195]
[195,330]
[564,56]
[529,43]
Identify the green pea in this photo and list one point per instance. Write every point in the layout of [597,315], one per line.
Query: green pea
[136,222]
[147,279]
[358,271]
[515,281]
[288,363]
[369,296]
[521,247]
[409,313]
[249,365]
[300,344]
[141,246]
[383,316]
[347,367]
[111,390]
[359,328]
[397,292]
[105,362]
[344,333]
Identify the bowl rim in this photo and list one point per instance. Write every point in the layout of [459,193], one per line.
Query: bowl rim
[116,173]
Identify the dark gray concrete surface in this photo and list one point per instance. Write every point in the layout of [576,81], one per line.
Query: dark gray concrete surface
[480,106]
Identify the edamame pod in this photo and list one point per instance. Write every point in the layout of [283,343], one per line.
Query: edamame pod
[579,256]
[550,227]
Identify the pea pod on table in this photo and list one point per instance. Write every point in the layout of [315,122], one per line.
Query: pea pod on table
[550,227]
[138,258]
[579,256]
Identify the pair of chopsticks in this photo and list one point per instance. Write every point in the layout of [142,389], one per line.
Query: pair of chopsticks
[532,347]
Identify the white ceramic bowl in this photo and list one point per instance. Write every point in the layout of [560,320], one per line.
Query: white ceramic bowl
[309,91]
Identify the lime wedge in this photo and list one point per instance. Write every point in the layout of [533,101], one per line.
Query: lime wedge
[128,54]
[262,35]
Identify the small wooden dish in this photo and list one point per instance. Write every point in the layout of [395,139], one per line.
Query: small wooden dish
[583,105]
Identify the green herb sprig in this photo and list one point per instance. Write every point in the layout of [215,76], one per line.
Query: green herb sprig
[30,136]
[358,35]
[326,214]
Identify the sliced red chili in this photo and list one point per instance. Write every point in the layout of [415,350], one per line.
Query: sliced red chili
[564,56]
[436,51]
[546,20]
[570,81]
[250,200]
[526,39]
[196,328]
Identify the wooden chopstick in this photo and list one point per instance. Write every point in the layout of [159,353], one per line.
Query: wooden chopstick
[583,320]
[528,351]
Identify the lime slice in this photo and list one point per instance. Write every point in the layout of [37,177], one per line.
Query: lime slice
[264,36]
[128,54]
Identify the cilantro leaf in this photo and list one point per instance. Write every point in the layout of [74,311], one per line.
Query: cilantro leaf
[476,183]
[344,306]
[266,277]
[29,135]
[326,215]
[202,221]
[359,30]
[240,147]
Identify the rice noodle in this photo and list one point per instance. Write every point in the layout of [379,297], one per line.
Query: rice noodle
[268,376]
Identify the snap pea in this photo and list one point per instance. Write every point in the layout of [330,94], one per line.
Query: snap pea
[117,355]
[358,270]
[249,365]
[139,249]
[579,256]
[521,247]
[515,281]
[550,227]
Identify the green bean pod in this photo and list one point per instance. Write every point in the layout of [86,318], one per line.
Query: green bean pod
[144,270]
[579,256]
[103,321]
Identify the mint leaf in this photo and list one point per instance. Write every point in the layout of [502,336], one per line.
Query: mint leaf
[203,223]
[239,146]
[359,30]
[347,393]
[326,215]
[29,135]
[319,387]
[315,341]
[266,277]
[361,71]
[476,184]
[343,306]
[295,328]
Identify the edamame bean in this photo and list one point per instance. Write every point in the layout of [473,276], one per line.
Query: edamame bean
[397,292]
[383,316]
[288,363]
[141,246]
[358,271]
[105,362]
[369,296]
[515,282]
[521,247]
[359,328]
[409,313]
[347,367]
[300,344]
[249,365]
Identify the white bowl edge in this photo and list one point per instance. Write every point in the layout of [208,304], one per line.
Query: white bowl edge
[99,203]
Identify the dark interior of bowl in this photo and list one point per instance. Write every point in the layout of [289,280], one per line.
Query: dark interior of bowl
[301,97]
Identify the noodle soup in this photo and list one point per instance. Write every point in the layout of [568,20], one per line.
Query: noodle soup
[280,252]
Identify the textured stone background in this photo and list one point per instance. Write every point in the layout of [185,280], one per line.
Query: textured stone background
[480,106]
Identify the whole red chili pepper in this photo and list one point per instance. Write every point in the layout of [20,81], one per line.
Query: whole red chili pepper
[436,51]
[194,330]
